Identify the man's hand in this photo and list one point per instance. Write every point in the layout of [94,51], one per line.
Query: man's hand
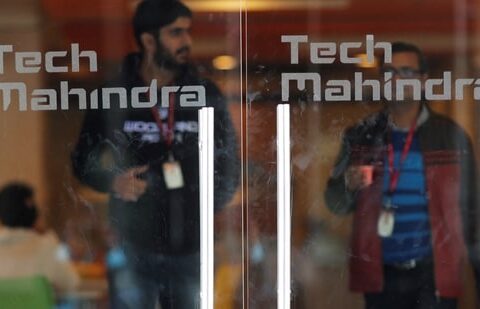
[358,177]
[127,186]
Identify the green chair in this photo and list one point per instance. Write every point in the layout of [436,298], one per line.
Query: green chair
[26,293]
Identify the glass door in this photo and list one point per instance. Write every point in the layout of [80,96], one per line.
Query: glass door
[378,187]
[121,172]
[239,153]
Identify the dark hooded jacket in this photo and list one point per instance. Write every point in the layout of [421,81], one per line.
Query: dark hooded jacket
[113,140]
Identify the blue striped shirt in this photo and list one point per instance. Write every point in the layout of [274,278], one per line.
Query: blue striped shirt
[411,238]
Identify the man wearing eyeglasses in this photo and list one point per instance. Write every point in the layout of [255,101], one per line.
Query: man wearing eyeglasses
[408,175]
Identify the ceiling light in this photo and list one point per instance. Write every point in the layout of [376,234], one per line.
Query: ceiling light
[261,5]
[364,63]
[225,63]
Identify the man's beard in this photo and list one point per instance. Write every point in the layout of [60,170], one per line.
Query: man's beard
[164,59]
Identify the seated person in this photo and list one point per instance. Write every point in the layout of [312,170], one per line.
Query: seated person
[23,251]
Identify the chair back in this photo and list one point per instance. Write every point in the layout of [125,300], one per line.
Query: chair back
[26,293]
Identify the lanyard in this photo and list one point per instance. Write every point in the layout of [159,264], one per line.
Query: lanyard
[395,172]
[167,136]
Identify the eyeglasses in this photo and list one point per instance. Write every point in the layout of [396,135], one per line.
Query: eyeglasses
[403,72]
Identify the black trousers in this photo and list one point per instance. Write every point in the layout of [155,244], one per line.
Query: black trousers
[173,281]
[409,289]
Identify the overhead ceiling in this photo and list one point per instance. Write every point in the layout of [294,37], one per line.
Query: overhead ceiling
[105,25]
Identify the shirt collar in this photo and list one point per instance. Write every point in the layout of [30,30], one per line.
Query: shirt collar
[422,118]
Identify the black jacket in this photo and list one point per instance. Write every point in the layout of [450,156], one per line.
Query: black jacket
[114,140]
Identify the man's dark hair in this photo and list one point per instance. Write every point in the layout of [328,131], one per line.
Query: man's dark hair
[151,15]
[14,209]
[402,47]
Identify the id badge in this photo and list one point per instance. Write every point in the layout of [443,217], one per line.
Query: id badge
[386,222]
[172,173]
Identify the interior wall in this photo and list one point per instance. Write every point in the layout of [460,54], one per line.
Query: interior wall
[22,132]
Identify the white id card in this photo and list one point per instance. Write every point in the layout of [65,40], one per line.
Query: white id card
[386,221]
[172,173]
